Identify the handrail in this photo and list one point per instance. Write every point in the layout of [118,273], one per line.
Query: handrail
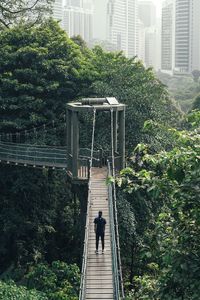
[115,209]
[59,148]
[85,250]
[113,240]
[116,257]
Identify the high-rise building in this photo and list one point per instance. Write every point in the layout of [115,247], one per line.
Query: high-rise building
[78,21]
[88,4]
[147,13]
[151,41]
[74,3]
[168,36]
[141,41]
[58,10]
[122,25]
[150,49]
[100,19]
[187,36]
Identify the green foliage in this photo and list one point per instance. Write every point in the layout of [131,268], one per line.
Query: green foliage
[10,291]
[39,216]
[58,281]
[183,88]
[41,70]
[163,192]
[196,104]
[132,84]
[196,75]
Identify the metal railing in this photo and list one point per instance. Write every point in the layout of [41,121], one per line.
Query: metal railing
[115,247]
[35,155]
[85,248]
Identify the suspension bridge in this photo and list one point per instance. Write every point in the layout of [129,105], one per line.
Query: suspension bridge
[101,276]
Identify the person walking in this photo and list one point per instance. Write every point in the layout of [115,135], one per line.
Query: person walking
[99,229]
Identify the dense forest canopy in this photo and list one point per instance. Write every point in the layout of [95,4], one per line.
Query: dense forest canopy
[42,218]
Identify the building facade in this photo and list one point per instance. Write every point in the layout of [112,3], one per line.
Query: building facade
[122,25]
[78,21]
[168,37]
[147,13]
[58,11]
[141,41]
[149,34]
[187,36]
[150,49]
[74,3]
[100,19]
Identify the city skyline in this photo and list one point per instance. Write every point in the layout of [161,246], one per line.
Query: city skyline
[164,34]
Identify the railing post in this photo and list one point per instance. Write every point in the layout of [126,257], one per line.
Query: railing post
[122,138]
[100,158]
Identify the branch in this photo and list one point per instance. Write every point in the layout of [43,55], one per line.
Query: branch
[18,11]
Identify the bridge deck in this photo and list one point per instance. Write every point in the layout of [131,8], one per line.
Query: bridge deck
[99,278]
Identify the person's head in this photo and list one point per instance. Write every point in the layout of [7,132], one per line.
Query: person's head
[100,214]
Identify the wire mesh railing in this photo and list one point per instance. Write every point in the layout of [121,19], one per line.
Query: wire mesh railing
[85,248]
[82,292]
[35,155]
[115,248]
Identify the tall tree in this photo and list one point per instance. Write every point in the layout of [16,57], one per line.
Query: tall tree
[18,11]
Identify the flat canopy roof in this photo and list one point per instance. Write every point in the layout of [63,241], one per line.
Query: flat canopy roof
[107,103]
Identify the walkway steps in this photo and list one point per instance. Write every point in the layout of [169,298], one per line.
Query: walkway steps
[99,277]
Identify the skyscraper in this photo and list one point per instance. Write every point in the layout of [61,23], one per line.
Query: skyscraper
[100,19]
[58,10]
[78,21]
[141,41]
[74,3]
[187,36]
[150,50]
[122,25]
[168,36]
[147,16]
[147,13]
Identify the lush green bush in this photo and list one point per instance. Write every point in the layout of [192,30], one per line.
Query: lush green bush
[10,291]
[196,104]
[163,193]
[59,281]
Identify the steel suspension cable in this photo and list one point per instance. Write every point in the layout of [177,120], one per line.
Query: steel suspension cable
[115,207]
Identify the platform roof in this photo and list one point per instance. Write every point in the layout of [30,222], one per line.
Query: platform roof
[100,104]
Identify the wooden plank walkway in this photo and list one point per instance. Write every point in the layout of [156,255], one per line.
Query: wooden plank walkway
[99,278]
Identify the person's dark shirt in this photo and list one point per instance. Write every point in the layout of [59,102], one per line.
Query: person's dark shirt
[100,222]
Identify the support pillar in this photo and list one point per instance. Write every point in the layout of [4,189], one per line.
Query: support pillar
[69,132]
[115,121]
[122,138]
[75,147]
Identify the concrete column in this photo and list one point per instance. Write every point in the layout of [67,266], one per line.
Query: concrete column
[75,147]
[115,121]
[69,131]
[122,138]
